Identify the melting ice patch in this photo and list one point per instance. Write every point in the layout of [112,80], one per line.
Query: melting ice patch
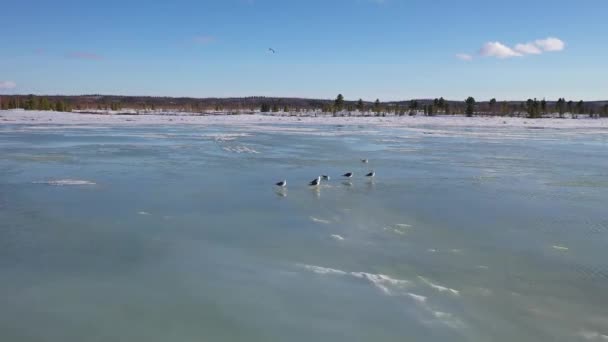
[593,336]
[439,287]
[399,287]
[399,228]
[323,270]
[380,281]
[318,220]
[448,319]
[66,182]
[240,149]
[224,140]
[417,298]
[222,137]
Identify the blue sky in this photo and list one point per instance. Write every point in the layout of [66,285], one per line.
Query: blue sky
[387,49]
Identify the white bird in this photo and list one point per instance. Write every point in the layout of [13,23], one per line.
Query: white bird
[371,174]
[348,175]
[315,182]
[282,184]
[325,177]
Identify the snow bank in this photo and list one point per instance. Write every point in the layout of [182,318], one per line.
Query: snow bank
[41,117]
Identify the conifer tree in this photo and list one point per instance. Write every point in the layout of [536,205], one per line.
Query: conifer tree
[493,105]
[377,107]
[44,104]
[413,107]
[470,109]
[59,106]
[442,103]
[339,103]
[580,107]
[543,106]
[360,105]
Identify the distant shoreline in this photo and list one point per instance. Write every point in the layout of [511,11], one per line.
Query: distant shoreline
[23,117]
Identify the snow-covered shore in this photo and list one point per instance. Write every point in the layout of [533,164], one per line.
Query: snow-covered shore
[61,118]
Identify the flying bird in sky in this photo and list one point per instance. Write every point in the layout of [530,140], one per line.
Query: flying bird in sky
[272,50]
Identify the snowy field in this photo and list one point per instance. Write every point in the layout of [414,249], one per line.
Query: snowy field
[41,117]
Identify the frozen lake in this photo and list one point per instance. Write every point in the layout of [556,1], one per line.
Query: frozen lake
[175,232]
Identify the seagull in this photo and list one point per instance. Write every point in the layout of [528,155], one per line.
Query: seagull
[364,161]
[271,50]
[282,184]
[348,175]
[325,177]
[371,174]
[315,182]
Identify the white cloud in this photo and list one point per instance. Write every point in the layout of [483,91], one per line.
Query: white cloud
[537,47]
[7,84]
[528,49]
[464,57]
[498,50]
[551,44]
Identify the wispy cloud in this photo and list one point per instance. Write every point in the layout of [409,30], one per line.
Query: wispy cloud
[551,44]
[84,55]
[7,85]
[203,39]
[464,57]
[499,50]
[528,49]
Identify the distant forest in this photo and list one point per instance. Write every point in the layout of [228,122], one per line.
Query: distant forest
[533,108]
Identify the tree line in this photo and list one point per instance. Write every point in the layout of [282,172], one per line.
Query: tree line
[532,107]
[32,102]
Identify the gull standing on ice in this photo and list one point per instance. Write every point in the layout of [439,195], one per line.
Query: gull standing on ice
[348,175]
[372,174]
[315,182]
[282,184]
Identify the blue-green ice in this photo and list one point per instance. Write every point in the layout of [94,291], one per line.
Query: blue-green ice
[177,233]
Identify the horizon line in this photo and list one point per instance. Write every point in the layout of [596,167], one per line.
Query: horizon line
[290,97]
